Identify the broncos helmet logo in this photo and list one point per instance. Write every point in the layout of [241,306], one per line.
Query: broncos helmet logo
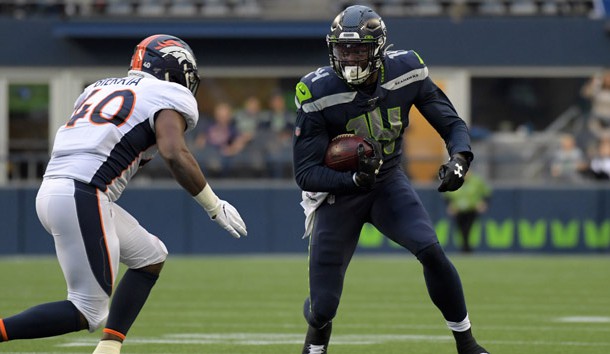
[167,58]
[179,53]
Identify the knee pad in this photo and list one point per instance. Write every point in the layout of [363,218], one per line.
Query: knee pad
[319,319]
[95,310]
[152,252]
[161,253]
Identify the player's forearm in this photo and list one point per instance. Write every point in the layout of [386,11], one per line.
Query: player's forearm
[186,171]
[322,179]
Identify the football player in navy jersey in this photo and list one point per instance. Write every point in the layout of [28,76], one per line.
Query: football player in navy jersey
[118,124]
[368,90]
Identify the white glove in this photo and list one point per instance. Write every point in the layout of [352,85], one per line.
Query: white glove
[228,218]
[221,212]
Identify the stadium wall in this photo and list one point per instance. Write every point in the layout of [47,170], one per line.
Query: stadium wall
[469,42]
[527,220]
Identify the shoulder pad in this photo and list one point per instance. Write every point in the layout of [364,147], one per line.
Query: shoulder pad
[171,95]
[408,57]
[403,67]
[315,84]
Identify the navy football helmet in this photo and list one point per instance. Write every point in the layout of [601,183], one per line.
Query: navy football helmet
[356,43]
[167,58]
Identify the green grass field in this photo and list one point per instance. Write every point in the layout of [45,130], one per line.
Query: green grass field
[214,305]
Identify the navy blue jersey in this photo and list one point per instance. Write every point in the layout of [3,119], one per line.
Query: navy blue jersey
[328,106]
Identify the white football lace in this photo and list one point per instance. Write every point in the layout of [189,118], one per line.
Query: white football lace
[347,135]
[316,349]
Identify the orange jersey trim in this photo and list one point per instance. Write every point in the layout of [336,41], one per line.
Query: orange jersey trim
[3,331]
[109,260]
[113,332]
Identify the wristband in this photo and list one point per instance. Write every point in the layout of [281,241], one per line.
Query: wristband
[207,198]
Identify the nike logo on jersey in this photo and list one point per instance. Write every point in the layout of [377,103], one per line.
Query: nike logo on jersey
[302,92]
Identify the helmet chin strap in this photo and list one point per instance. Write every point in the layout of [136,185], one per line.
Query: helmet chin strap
[354,74]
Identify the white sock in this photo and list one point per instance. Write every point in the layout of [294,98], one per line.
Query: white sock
[108,347]
[461,326]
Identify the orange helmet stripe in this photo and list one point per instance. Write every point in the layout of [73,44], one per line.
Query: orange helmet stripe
[138,56]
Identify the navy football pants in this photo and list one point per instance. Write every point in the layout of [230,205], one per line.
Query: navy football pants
[396,211]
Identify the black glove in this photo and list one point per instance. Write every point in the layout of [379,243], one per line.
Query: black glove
[368,167]
[452,173]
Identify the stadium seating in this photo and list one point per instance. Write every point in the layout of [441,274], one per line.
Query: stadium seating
[315,8]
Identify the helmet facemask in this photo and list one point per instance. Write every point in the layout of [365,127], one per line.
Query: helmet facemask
[192,81]
[354,60]
[356,43]
[186,77]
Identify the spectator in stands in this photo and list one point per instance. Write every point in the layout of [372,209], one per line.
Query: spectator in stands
[600,162]
[249,148]
[467,204]
[568,162]
[278,125]
[248,118]
[217,141]
[597,91]
[277,118]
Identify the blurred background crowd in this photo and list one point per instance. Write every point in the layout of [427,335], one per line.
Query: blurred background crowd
[298,9]
[550,128]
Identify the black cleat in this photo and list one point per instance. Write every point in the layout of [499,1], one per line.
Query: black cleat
[466,344]
[316,340]
[476,349]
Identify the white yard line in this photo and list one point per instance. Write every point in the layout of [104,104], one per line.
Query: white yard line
[584,319]
[283,339]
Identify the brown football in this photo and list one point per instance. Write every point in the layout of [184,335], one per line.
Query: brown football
[342,152]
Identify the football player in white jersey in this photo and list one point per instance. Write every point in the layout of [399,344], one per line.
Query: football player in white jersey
[117,125]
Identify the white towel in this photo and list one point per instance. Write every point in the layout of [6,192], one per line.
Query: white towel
[311,202]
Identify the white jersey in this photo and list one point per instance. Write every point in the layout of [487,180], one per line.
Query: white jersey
[112,130]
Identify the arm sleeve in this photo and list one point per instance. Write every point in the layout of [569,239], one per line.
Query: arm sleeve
[309,147]
[440,113]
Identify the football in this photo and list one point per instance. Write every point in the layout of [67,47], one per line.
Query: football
[342,152]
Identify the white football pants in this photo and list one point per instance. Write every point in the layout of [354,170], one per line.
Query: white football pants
[92,234]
